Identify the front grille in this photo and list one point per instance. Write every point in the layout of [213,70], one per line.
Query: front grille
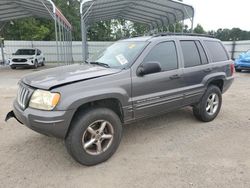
[23,95]
[19,60]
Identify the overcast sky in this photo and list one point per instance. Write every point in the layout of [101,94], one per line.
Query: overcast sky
[215,14]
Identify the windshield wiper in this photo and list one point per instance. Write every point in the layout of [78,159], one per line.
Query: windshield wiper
[98,63]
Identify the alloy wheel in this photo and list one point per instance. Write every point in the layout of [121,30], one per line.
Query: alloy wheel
[98,137]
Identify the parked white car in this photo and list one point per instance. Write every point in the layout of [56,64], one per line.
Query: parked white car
[27,58]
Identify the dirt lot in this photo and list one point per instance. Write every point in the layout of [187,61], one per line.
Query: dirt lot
[174,150]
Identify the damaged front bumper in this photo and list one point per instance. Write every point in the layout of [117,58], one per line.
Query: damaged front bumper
[11,115]
[50,123]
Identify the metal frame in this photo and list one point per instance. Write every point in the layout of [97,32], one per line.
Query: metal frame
[154,13]
[16,9]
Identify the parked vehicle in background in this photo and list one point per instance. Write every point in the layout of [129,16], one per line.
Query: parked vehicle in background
[27,58]
[88,104]
[243,62]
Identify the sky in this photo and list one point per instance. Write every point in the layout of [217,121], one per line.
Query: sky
[215,14]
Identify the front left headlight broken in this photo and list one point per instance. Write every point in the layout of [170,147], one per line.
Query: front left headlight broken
[44,100]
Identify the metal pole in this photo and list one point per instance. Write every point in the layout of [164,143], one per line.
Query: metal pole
[71,47]
[57,47]
[84,35]
[60,38]
[192,24]
[64,44]
[2,51]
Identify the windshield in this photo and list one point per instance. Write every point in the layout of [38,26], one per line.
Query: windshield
[25,52]
[120,54]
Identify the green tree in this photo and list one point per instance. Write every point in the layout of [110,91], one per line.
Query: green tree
[199,29]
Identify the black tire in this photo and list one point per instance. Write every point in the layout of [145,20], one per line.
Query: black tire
[12,67]
[43,63]
[35,66]
[200,111]
[79,126]
[238,70]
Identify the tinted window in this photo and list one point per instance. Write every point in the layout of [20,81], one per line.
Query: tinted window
[164,53]
[25,52]
[203,55]
[190,53]
[216,51]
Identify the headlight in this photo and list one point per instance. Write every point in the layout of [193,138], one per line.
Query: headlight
[44,100]
[30,58]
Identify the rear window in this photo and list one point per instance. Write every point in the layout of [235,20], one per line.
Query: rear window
[216,51]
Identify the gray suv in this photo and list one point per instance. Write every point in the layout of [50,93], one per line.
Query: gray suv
[88,104]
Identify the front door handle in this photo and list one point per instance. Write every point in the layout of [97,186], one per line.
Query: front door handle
[174,77]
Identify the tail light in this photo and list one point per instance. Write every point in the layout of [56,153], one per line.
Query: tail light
[232,69]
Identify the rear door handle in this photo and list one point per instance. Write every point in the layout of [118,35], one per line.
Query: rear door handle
[174,77]
[208,70]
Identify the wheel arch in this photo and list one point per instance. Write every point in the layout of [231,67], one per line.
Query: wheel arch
[113,104]
[215,79]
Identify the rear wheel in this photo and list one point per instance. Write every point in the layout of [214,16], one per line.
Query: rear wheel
[94,136]
[209,107]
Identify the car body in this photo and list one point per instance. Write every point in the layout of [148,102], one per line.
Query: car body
[27,58]
[133,79]
[243,62]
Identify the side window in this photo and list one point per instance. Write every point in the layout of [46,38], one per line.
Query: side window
[202,52]
[190,53]
[165,53]
[216,51]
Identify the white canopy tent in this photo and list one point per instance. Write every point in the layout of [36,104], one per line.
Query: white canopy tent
[16,9]
[154,13]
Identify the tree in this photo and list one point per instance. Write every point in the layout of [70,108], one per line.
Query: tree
[199,29]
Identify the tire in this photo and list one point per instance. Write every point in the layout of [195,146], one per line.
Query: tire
[35,66]
[43,63]
[80,134]
[238,70]
[202,111]
[12,67]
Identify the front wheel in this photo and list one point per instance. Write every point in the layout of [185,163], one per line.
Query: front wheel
[238,70]
[43,62]
[94,136]
[209,107]
[12,67]
[35,66]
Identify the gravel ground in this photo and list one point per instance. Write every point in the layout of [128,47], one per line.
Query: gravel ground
[174,150]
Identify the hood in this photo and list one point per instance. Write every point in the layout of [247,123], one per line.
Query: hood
[22,56]
[59,76]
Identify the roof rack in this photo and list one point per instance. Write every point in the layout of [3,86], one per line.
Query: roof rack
[182,34]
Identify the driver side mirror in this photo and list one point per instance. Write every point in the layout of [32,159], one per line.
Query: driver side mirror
[149,68]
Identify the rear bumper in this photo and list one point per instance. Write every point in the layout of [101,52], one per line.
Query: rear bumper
[227,83]
[50,123]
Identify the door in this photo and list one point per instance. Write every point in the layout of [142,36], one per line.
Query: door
[196,68]
[158,92]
